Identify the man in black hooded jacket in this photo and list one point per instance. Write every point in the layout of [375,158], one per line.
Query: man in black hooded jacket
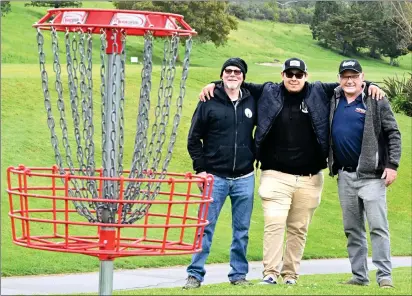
[220,143]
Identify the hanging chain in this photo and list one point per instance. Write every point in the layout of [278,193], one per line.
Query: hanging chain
[88,127]
[136,171]
[47,102]
[121,103]
[179,105]
[80,208]
[147,152]
[103,46]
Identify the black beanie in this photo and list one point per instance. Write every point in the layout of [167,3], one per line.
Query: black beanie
[237,62]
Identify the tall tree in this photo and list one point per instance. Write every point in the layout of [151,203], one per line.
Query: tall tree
[402,11]
[209,18]
[5,7]
[323,10]
[394,45]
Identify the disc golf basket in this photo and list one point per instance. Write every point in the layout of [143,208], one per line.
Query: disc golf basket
[107,211]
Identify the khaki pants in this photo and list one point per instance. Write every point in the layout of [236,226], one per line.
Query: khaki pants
[287,200]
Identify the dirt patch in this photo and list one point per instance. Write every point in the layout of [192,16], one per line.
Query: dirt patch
[270,64]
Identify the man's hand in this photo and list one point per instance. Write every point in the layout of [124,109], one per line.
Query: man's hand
[200,184]
[376,92]
[207,92]
[389,175]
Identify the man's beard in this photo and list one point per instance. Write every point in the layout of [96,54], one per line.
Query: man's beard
[232,85]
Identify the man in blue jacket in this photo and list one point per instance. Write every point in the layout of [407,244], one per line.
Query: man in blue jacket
[292,144]
[220,143]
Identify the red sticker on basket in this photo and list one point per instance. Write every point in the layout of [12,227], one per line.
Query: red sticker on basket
[74,17]
[128,20]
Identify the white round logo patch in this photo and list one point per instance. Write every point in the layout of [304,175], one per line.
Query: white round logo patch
[248,113]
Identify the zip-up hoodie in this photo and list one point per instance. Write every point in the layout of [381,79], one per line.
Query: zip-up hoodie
[220,139]
[381,143]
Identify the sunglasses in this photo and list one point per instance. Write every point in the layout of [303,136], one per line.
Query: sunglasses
[230,71]
[297,75]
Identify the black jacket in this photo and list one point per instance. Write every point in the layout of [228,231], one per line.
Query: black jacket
[220,139]
[271,102]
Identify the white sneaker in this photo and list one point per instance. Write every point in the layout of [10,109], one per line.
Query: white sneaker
[290,282]
[269,280]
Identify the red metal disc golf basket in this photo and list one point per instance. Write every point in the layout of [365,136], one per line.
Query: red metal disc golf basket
[106,211]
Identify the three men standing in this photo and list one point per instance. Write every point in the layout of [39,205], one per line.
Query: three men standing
[292,143]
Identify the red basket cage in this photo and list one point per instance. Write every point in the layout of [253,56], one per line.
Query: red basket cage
[43,216]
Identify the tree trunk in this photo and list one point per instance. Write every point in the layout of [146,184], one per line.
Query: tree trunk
[391,61]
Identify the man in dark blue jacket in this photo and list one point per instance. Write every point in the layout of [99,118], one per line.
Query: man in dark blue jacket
[292,144]
[220,143]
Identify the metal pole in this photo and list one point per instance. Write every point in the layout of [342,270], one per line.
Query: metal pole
[106,277]
[112,125]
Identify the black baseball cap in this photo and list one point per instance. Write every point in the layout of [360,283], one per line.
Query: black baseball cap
[350,65]
[294,63]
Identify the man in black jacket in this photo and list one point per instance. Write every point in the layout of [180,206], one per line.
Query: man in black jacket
[292,144]
[220,143]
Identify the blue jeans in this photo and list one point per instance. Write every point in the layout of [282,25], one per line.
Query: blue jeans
[241,196]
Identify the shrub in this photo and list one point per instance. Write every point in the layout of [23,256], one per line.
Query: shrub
[399,92]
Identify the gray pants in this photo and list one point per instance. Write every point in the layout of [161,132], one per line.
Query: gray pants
[357,198]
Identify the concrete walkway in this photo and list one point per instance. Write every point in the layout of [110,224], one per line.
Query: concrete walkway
[159,277]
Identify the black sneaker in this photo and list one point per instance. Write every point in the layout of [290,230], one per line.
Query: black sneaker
[191,283]
[241,282]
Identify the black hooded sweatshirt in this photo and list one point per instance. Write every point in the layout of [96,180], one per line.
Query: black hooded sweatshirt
[220,140]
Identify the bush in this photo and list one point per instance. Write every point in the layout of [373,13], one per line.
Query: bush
[399,92]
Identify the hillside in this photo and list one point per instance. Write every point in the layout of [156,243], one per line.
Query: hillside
[26,138]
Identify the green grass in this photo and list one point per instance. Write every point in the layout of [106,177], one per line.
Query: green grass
[26,139]
[308,285]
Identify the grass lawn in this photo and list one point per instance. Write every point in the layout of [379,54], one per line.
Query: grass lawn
[308,285]
[26,138]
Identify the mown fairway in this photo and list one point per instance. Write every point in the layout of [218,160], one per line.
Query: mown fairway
[26,138]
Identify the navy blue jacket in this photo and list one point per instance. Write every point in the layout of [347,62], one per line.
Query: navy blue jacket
[271,101]
[220,139]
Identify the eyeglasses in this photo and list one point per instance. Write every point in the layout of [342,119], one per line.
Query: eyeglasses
[346,78]
[235,71]
[297,75]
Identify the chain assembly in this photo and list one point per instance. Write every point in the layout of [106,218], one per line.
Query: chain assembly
[150,148]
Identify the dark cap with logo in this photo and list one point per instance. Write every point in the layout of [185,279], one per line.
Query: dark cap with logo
[294,63]
[237,62]
[350,65]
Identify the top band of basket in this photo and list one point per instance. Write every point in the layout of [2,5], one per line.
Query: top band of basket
[133,22]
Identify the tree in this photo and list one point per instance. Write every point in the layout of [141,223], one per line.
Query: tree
[5,7]
[346,31]
[402,17]
[393,47]
[55,4]
[323,10]
[209,18]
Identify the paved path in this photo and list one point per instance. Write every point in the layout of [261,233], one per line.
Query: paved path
[159,277]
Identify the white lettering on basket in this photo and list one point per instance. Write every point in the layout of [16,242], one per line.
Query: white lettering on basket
[129,20]
[74,17]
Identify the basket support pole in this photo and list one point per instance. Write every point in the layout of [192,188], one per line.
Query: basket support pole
[107,242]
[106,277]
